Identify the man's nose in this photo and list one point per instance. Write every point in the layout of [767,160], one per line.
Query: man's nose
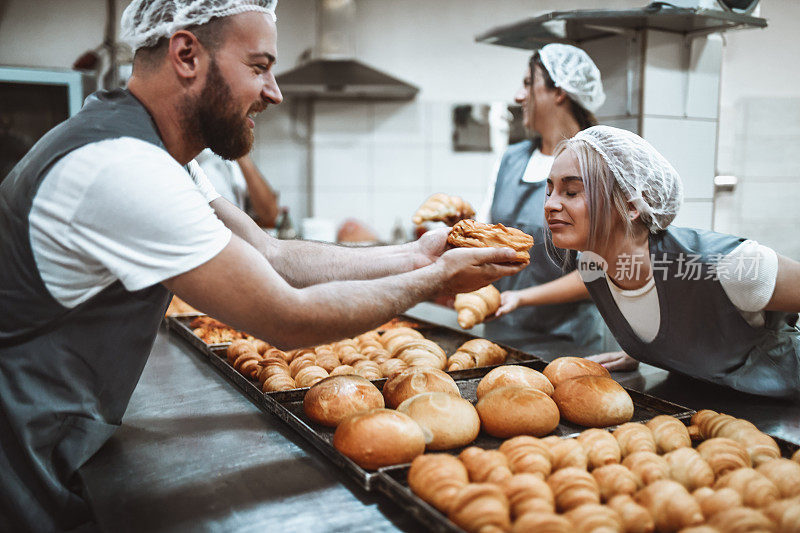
[271,92]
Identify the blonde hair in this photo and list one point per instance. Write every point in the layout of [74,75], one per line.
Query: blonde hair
[605,199]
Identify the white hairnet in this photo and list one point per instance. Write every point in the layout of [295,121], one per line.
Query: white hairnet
[144,22]
[649,181]
[575,73]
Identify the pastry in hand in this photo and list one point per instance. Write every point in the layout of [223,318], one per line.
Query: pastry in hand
[473,307]
[443,207]
[471,234]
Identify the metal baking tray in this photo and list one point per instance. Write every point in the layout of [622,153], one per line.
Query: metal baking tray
[393,482]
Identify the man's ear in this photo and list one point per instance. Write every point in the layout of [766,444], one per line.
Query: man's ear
[561,96]
[183,54]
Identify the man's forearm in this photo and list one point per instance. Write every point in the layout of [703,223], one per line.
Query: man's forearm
[568,288]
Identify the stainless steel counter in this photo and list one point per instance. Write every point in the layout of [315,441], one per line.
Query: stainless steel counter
[193,454]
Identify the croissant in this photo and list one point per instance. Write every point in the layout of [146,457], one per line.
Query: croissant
[260,346]
[634,437]
[754,488]
[670,505]
[437,478]
[566,453]
[328,360]
[309,375]
[300,362]
[647,466]
[278,382]
[477,352]
[760,447]
[635,518]
[471,234]
[392,336]
[443,207]
[689,469]
[741,520]
[480,508]
[573,487]
[593,517]
[247,364]
[344,370]
[694,433]
[723,455]
[713,501]
[785,514]
[270,370]
[785,474]
[542,523]
[474,307]
[392,366]
[615,479]
[601,447]
[669,433]
[485,465]
[368,369]
[237,348]
[527,454]
[528,493]
[379,355]
[421,352]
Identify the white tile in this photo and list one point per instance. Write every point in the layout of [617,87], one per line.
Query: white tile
[630,124]
[663,74]
[695,214]
[690,146]
[399,168]
[388,208]
[399,123]
[613,56]
[704,77]
[284,165]
[439,123]
[455,172]
[770,157]
[341,168]
[770,116]
[297,202]
[338,206]
[342,122]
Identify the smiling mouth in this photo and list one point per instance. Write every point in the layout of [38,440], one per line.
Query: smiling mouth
[558,224]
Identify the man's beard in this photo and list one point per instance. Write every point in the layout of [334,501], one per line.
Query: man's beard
[216,121]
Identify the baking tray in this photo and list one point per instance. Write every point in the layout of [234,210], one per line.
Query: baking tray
[393,482]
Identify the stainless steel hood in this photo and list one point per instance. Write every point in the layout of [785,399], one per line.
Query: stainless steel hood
[333,73]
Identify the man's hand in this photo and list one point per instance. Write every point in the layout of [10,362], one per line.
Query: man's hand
[469,269]
[429,247]
[615,361]
[509,300]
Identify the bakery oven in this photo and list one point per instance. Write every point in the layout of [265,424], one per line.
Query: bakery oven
[32,101]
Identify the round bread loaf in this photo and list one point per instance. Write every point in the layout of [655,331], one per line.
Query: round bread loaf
[564,368]
[514,376]
[416,380]
[510,411]
[335,398]
[447,421]
[379,437]
[593,401]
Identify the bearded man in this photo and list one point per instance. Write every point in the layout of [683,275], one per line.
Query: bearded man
[108,214]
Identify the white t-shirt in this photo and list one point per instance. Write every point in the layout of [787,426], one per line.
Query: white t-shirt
[538,169]
[225,176]
[121,209]
[747,275]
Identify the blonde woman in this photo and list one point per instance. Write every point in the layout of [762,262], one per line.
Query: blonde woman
[712,306]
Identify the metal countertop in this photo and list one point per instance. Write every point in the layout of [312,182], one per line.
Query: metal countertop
[193,454]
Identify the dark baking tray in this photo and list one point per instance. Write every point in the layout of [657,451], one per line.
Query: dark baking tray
[393,482]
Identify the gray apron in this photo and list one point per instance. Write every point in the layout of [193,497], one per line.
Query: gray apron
[66,375]
[520,205]
[702,334]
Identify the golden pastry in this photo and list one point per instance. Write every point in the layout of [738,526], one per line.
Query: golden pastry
[472,234]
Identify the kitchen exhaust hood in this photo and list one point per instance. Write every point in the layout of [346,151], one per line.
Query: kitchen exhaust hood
[333,73]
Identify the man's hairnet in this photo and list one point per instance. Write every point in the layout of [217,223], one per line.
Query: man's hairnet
[649,181]
[144,22]
[575,73]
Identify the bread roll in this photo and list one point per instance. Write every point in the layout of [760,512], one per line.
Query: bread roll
[593,517]
[542,523]
[615,479]
[437,478]
[593,401]
[785,474]
[669,433]
[511,411]
[670,505]
[713,501]
[689,469]
[528,493]
[635,518]
[514,376]
[448,421]
[335,398]
[601,447]
[527,454]
[416,380]
[485,465]
[573,487]
[480,508]
[564,368]
[379,437]
[754,488]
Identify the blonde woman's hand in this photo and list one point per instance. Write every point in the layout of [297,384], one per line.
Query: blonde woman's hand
[509,300]
[615,361]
